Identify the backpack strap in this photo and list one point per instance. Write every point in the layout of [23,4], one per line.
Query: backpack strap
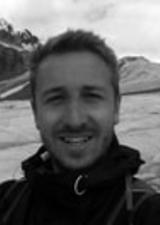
[143,191]
[116,211]
[137,191]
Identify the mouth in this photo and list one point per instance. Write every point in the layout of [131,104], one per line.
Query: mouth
[76,140]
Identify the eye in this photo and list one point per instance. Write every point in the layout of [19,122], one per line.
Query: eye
[56,99]
[93,96]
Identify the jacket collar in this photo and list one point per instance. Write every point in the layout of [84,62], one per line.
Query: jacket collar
[108,170]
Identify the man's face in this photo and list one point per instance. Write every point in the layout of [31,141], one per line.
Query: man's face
[75,107]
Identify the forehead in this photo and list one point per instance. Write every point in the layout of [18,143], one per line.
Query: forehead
[74,69]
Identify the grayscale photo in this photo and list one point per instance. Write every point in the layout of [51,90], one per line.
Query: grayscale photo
[80,112]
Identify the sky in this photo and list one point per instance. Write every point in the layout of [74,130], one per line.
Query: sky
[130,27]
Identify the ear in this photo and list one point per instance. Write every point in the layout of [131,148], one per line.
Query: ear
[117,110]
[116,118]
[33,106]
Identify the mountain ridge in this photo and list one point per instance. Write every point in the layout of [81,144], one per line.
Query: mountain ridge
[138,76]
[137,73]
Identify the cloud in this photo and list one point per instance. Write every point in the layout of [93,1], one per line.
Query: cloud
[45,18]
[34,12]
[8,7]
[129,26]
[136,28]
[98,12]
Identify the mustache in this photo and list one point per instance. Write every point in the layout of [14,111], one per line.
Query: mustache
[68,129]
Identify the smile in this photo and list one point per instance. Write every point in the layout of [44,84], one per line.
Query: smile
[75,140]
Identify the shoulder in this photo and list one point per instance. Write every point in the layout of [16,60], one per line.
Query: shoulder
[148,212]
[146,202]
[12,193]
[5,186]
[10,188]
[151,203]
[8,183]
[140,185]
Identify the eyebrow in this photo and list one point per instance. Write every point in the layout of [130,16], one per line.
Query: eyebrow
[53,90]
[93,88]
[85,88]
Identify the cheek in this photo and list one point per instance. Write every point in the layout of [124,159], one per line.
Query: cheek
[45,120]
[105,120]
[104,115]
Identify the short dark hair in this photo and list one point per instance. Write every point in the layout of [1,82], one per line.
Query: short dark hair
[75,40]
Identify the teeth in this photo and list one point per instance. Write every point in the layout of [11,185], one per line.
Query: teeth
[75,140]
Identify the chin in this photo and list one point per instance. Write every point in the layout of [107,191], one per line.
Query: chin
[79,166]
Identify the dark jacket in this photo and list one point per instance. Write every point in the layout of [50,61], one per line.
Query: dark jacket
[105,194]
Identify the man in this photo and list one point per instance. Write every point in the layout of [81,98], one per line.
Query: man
[81,175]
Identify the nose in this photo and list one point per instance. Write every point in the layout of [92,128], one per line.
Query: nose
[75,115]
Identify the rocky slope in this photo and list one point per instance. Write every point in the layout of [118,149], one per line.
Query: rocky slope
[137,74]
[15,50]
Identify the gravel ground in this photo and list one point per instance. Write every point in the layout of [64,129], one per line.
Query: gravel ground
[139,127]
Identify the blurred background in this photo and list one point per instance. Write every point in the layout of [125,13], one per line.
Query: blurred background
[130,27]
